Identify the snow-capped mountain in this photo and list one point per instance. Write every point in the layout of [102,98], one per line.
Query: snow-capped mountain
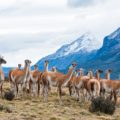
[80,50]
[84,44]
[115,34]
[108,56]
[84,52]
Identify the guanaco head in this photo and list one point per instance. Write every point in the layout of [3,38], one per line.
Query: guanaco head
[19,66]
[74,64]
[108,74]
[46,61]
[90,74]
[2,60]
[27,62]
[35,67]
[54,69]
[99,71]
[80,71]
[109,70]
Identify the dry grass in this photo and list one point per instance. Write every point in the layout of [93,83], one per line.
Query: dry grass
[35,109]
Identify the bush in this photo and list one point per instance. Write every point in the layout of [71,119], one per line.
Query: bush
[9,95]
[103,105]
[1,107]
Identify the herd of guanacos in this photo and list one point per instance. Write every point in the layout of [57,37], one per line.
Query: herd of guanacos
[34,81]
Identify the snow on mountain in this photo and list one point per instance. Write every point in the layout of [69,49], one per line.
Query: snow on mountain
[108,56]
[85,43]
[115,34]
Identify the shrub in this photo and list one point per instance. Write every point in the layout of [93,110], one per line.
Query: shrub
[9,95]
[1,107]
[103,105]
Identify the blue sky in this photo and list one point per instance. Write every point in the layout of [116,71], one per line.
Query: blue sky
[35,28]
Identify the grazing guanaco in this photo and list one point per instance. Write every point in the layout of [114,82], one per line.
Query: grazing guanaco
[56,79]
[21,77]
[2,76]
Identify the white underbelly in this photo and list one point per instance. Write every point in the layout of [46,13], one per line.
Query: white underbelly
[107,88]
[51,82]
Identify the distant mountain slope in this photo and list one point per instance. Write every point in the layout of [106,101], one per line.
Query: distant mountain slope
[84,44]
[108,56]
[79,51]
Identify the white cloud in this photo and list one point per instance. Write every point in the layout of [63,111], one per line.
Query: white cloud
[41,26]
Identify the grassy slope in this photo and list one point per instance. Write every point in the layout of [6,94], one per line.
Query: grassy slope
[35,109]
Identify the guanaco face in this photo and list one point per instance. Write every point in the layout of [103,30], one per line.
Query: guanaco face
[2,61]
[19,66]
[54,69]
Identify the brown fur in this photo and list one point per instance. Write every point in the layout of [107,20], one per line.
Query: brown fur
[18,76]
[55,79]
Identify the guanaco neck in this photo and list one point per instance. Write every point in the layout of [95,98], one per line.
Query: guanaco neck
[1,73]
[98,75]
[81,73]
[108,75]
[46,67]
[68,76]
[0,67]
[26,70]
[91,75]
[75,74]
[54,69]
[35,69]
